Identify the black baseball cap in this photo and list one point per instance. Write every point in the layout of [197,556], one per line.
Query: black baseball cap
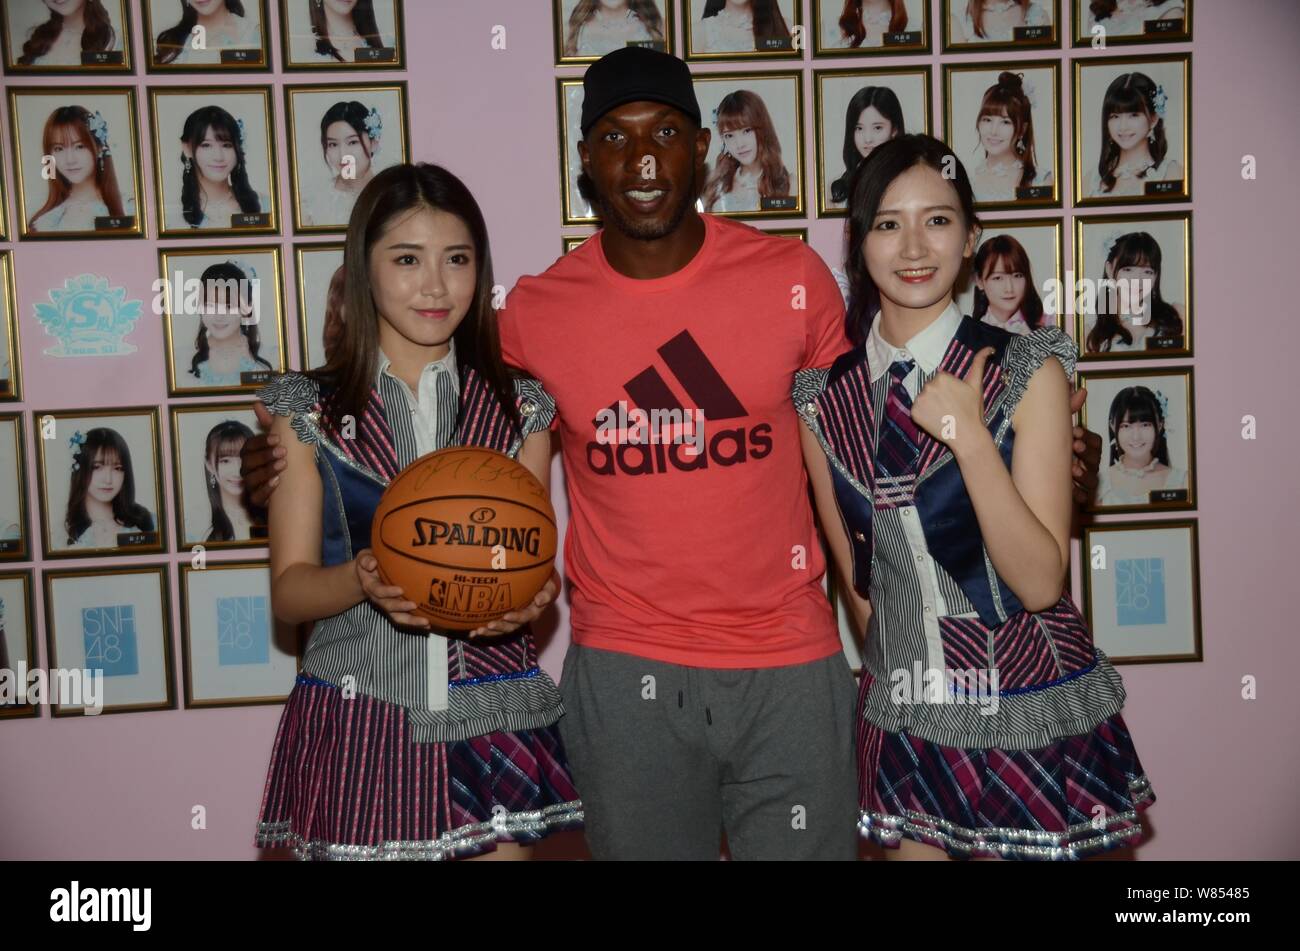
[636,74]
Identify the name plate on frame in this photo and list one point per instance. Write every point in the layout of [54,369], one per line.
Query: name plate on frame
[133,539]
[1164,26]
[1164,188]
[902,38]
[102,58]
[1028,34]
[375,54]
[241,56]
[255,219]
[1034,191]
[782,203]
[1168,495]
[114,223]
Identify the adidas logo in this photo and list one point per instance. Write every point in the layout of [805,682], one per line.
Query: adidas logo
[644,449]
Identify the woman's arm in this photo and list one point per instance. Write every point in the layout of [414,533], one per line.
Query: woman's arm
[302,590]
[828,513]
[1024,514]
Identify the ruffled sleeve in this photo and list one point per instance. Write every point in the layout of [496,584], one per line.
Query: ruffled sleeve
[807,388]
[298,397]
[536,406]
[1025,354]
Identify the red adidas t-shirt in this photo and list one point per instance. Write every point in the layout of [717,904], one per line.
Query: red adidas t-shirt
[709,558]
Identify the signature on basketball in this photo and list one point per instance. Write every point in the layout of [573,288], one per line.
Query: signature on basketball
[474,467]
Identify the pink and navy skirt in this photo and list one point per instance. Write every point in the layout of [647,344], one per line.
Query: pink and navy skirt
[347,782]
[1075,797]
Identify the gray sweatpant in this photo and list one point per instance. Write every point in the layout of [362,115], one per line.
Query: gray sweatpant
[666,758]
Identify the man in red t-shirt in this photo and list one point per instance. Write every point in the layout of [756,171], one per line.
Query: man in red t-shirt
[705,689]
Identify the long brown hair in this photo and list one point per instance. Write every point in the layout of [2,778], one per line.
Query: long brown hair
[75,122]
[1011,254]
[108,443]
[851,24]
[363,21]
[96,36]
[743,109]
[975,10]
[646,11]
[350,370]
[770,27]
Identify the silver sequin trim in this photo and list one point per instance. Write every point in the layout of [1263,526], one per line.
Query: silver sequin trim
[1009,843]
[466,839]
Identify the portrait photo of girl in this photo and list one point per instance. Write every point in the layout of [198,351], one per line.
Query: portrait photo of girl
[1133,21]
[101,483]
[231,36]
[13,495]
[1131,130]
[871,26]
[754,156]
[320,300]
[212,160]
[1003,124]
[65,36]
[340,138]
[17,639]
[11,389]
[1002,289]
[857,111]
[211,507]
[1147,459]
[588,29]
[718,29]
[333,34]
[1128,313]
[225,333]
[77,162]
[999,23]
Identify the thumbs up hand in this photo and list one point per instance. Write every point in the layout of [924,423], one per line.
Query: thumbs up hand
[949,407]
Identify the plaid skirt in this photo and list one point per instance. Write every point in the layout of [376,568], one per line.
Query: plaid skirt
[347,782]
[1075,797]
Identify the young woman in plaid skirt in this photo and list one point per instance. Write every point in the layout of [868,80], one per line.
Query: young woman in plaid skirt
[939,449]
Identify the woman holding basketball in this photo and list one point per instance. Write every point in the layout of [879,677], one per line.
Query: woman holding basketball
[397,740]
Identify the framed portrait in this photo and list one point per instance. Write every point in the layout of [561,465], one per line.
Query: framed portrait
[1103,23]
[76,162]
[15,537]
[1142,590]
[11,364]
[114,623]
[585,30]
[223,315]
[971,26]
[571,241]
[101,481]
[771,29]
[193,36]
[1015,277]
[211,509]
[342,34]
[1135,297]
[17,644]
[858,110]
[213,160]
[870,27]
[755,160]
[66,36]
[1132,126]
[1146,420]
[320,300]
[578,208]
[340,137]
[234,651]
[1002,122]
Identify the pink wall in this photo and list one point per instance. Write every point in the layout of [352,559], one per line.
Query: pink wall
[1225,769]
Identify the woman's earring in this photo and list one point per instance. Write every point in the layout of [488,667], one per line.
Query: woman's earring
[187,163]
[1151,136]
[1020,145]
[212,481]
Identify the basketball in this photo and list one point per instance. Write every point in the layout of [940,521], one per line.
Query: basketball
[468,534]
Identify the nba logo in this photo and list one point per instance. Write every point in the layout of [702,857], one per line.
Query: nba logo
[437,593]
